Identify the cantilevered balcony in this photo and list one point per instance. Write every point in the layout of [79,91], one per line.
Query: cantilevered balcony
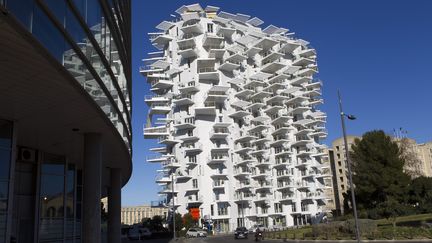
[285,184]
[303,61]
[192,27]
[263,185]
[300,80]
[210,39]
[187,123]
[265,43]
[241,172]
[283,174]
[243,198]
[270,56]
[225,31]
[189,87]
[155,132]
[307,53]
[206,70]
[161,84]
[218,158]
[190,148]
[209,109]
[159,108]
[272,67]
[158,158]
[160,40]
[289,47]
[286,197]
[183,99]
[280,140]
[298,108]
[222,148]
[187,47]
[306,72]
[217,94]
[239,114]
[232,62]
[167,190]
[219,133]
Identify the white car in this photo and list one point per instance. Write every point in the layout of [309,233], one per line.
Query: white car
[196,232]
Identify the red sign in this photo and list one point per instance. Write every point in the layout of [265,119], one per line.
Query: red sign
[195,213]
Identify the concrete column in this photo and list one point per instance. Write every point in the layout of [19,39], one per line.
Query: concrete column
[92,174]
[114,207]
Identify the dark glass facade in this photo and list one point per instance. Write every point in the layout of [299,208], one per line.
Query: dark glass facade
[5,162]
[91,39]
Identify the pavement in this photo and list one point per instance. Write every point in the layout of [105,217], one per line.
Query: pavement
[251,239]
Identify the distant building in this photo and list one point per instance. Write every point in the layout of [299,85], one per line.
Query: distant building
[135,214]
[425,152]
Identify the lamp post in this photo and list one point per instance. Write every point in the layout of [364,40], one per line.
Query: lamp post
[354,205]
[173,205]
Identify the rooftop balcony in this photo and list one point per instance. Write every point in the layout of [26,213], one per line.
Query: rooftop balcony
[190,87]
[155,132]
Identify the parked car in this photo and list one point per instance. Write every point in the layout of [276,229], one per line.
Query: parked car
[241,233]
[137,233]
[196,232]
[253,228]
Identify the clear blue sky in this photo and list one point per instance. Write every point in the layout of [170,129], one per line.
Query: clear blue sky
[378,53]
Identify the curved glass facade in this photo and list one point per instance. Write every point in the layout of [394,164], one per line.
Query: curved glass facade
[91,39]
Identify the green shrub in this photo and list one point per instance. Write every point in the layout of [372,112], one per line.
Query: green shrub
[366,226]
[332,228]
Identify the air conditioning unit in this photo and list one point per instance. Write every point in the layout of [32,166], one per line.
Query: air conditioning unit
[27,155]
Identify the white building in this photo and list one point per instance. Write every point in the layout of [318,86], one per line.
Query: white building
[235,112]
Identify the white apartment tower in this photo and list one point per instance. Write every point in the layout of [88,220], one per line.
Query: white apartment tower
[235,112]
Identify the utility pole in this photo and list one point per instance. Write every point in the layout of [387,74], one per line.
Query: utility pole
[348,160]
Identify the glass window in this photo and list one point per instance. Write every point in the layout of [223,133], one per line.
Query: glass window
[45,31]
[5,134]
[22,10]
[5,156]
[4,188]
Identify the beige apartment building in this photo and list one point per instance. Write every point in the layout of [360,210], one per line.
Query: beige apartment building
[135,214]
[419,155]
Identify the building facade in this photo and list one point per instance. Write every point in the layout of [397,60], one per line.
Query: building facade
[65,108]
[135,215]
[235,112]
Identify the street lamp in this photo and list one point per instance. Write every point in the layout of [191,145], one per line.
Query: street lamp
[350,117]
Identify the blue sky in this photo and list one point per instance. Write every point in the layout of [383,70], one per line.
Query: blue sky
[378,53]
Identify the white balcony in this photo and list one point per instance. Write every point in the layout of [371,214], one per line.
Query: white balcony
[208,73]
[190,87]
[217,94]
[220,149]
[245,93]
[241,173]
[192,28]
[187,124]
[168,140]
[161,84]
[155,132]
[159,108]
[289,47]
[265,43]
[217,159]
[272,67]
[229,66]
[306,72]
[163,180]
[205,110]
[212,40]
[219,134]
[302,61]
[158,158]
[239,114]
[300,80]
[192,148]
[225,31]
[160,40]
[307,53]
[285,185]
[244,139]
[270,56]
[286,198]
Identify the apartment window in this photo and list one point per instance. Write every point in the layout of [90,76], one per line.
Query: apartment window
[222,209]
[337,148]
[278,208]
[195,183]
[341,178]
[211,210]
[340,171]
[220,119]
[210,28]
[190,133]
[339,163]
[304,207]
[293,207]
[338,155]
[192,159]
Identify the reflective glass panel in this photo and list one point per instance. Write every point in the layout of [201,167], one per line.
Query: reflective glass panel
[22,10]
[5,134]
[5,156]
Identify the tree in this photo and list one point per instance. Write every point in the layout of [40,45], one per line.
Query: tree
[378,175]
[189,221]
[420,194]
[156,223]
[178,222]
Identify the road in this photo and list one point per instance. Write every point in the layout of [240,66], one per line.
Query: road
[230,239]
